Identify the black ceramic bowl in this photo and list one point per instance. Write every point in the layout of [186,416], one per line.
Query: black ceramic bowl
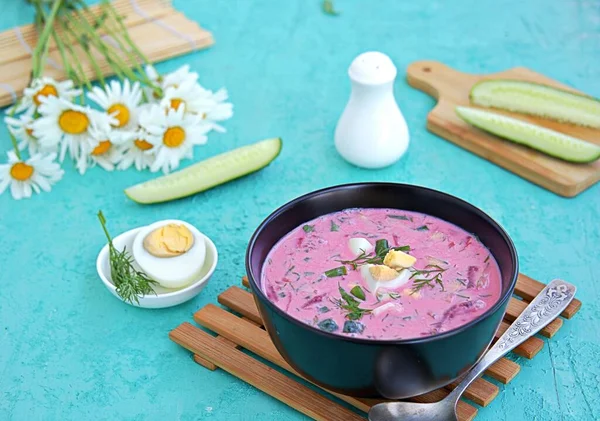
[392,369]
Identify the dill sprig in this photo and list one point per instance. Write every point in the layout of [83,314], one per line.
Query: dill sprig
[431,278]
[131,283]
[349,303]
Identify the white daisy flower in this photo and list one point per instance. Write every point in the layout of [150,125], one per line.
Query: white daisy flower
[169,80]
[173,135]
[103,147]
[46,87]
[22,129]
[68,125]
[189,95]
[38,173]
[137,150]
[219,111]
[121,103]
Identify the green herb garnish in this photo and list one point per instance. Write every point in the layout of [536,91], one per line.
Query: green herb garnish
[308,228]
[349,304]
[334,227]
[401,248]
[430,279]
[131,283]
[339,271]
[423,228]
[329,9]
[401,217]
[358,292]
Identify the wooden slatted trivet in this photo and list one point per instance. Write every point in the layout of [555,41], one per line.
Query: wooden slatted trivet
[247,332]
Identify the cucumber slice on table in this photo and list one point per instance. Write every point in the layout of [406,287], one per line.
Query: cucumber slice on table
[207,174]
[535,99]
[550,142]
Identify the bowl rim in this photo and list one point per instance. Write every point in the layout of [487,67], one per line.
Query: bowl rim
[410,341]
[102,255]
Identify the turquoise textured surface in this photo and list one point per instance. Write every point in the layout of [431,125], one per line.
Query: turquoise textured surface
[69,350]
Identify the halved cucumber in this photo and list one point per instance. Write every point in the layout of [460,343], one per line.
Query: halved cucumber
[535,99]
[544,140]
[207,174]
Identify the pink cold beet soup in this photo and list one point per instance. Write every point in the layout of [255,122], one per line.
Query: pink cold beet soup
[317,275]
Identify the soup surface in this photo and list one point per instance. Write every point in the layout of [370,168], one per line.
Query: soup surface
[354,273]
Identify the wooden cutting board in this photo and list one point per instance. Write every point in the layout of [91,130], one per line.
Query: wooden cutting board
[451,88]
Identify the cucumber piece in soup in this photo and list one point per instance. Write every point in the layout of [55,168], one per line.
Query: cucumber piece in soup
[207,174]
[548,141]
[536,99]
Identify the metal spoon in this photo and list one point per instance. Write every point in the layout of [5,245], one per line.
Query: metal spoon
[549,303]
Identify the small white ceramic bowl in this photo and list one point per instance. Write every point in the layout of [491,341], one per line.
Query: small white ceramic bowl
[164,297]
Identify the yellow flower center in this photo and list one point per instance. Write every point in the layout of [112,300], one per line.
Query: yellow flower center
[47,90]
[174,137]
[176,102]
[73,122]
[29,132]
[21,171]
[143,144]
[102,148]
[121,113]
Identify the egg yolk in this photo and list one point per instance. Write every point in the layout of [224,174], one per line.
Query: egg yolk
[169,241]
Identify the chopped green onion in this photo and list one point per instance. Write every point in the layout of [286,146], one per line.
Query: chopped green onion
[401,217]
[381,247]
[339,271]
[358,292]
[423,228]
[308,228]
[334,227]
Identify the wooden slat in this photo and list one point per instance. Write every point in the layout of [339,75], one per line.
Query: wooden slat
[528,288]
[480,391]
[527,349]
[504,370]
[265,378]
[257,340]
[241,301]
[516,307]
[207,364]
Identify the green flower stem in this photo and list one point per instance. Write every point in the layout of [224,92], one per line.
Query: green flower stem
[41,49]
[127,45]
[71,51]
[85,28]
[119,20]
[123,47]
[86,49]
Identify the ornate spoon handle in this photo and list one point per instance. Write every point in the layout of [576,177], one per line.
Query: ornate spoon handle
[547,306]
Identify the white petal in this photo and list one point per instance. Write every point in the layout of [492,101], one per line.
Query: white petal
[16,190]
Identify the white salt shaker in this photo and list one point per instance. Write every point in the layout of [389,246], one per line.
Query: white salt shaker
[372,132]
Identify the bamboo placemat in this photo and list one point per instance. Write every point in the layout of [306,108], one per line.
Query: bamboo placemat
[246,331]
[159,30]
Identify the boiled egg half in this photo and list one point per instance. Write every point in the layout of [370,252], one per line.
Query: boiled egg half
[382,276]
[171,252]
[359,246]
